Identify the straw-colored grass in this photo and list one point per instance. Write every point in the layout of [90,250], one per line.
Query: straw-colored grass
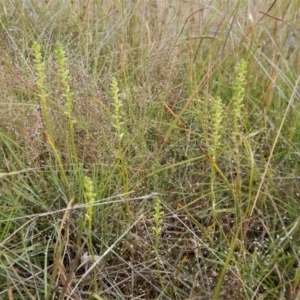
[149,149]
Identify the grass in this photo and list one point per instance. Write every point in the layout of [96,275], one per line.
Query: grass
[149,150]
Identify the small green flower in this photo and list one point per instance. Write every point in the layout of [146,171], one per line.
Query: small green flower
[217,120]
[64,76]
[117,117]
[89,197]
[40,74]
[239,94]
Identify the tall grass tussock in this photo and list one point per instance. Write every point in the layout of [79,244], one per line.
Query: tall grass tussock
[149,149]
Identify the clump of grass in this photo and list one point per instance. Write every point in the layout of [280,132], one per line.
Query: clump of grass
[158,219]
[158,214]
